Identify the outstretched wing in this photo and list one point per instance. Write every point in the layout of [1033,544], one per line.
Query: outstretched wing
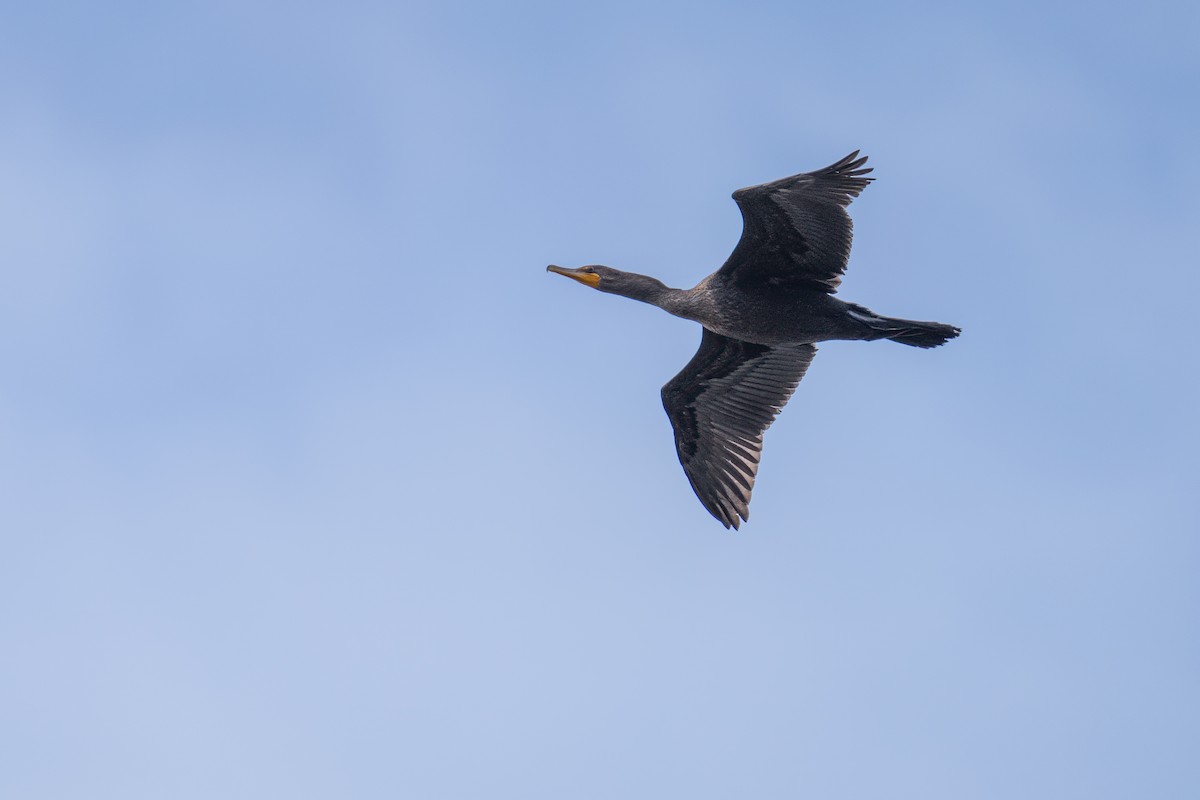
[796,231]
[719,405]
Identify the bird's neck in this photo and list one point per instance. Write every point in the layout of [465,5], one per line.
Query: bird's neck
[653,291]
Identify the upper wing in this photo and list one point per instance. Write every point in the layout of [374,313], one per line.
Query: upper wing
[796,230]
[719,405]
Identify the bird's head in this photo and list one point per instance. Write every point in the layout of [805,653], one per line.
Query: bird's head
[613,281]
[592,275]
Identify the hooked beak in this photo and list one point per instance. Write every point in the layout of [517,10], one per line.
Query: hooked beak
[587,278]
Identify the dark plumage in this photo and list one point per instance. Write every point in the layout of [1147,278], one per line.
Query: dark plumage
[762,313]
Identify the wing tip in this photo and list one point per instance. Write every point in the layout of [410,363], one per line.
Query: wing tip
[851,166]
[849,169]
[849,161]
[733,521]
[719,505]
[729,514]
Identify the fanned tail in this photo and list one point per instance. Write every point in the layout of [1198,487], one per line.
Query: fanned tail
[923,334]
[905,331]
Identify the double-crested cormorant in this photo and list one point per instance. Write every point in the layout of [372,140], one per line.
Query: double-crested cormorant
[762,312]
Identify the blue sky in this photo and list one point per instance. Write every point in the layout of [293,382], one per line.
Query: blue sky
[315,484]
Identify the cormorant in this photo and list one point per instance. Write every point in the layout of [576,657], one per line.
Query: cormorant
[762,312]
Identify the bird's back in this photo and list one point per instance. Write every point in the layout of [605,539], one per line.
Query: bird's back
[771,315]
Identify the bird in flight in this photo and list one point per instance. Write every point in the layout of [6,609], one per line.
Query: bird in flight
[762,312]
